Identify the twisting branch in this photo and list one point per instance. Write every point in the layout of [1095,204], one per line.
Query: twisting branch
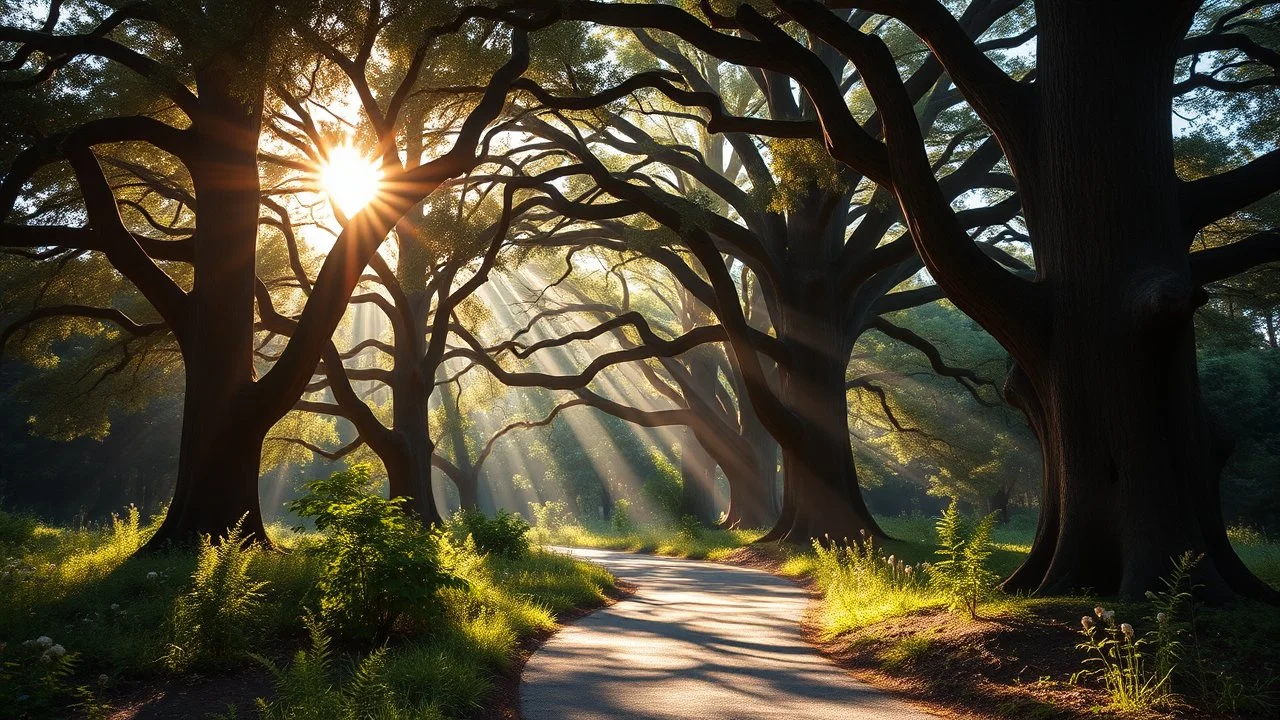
[338,454]
[967,378]
[111,315]
[1220,263]
[1210,199]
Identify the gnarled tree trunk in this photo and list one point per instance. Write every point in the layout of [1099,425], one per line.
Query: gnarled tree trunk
[1131,465]
[222,428]
[821,497]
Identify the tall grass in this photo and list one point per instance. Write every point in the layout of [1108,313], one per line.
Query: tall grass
[861,584]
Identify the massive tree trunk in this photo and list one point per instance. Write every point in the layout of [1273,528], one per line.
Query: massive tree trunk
[222,431]
[464,474]
[821,497]
[1130,462]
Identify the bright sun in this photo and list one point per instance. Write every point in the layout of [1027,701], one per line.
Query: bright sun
[350,179]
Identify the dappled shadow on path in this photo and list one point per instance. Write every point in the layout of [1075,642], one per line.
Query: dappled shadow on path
[698,640]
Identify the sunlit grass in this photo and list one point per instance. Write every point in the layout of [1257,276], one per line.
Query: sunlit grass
[114,612]
[705,544]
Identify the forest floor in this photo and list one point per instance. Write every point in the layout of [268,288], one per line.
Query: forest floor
[1020,659]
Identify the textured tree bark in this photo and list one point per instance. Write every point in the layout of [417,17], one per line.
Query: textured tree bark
[754,501]
[409,473]
[821,497]
[222,429]
[1131,463]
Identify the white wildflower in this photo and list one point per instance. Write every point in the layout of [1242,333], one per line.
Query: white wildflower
[1098,611]
[1086,622]
[44,641]
[1161,618]
[1109,615]
[1127,629]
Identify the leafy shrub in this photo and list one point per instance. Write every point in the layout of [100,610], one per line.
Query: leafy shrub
[551,515]
[211,621]
[860,584]
[962,573]
[690,527]
[380,564]
[621,518]
[504,534]
[16,529]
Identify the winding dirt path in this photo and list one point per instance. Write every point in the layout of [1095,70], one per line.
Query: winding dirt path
[697,640]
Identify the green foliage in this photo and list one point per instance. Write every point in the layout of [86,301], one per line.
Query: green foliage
[505,533]
[690,527]
[962,574]
[212,621]
[381,564]
[800,164]
[306,689]
[905,652]
[620,519]
[550,516]
[662,485]
[35,677]
[1120,660]
[15,529]
[861,584]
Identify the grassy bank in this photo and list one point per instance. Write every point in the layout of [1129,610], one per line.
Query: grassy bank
[86,625]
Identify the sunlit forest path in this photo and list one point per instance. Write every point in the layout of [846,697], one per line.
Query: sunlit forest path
[697,640]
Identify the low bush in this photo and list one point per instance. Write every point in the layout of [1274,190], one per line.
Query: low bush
[16,529]
[506,533]
[380,564]
[620,520]
[861,584]
[550,517]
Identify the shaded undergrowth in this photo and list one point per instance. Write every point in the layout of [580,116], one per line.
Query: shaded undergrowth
[118,617]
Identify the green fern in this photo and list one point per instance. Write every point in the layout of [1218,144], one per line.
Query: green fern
[306,690]
[962,572]
[212,620]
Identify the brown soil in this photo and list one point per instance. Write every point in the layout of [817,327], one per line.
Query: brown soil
[195,698]
[998,668]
